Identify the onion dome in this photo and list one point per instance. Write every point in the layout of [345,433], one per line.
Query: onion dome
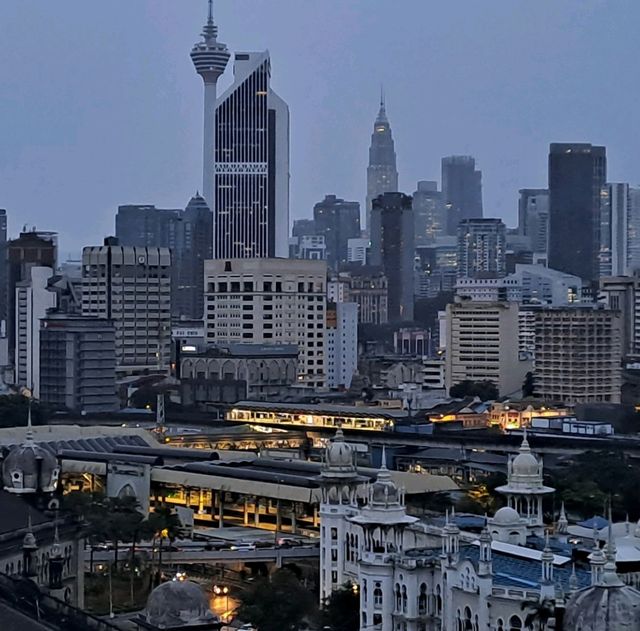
[339,455]
[525,464]
[178,605]
[28,468]
[506,515]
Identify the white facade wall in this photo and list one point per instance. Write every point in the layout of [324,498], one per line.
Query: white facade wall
[357,250]
[342,346]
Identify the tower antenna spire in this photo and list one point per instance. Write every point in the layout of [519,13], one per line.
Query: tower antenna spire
[382,105]
[210,17]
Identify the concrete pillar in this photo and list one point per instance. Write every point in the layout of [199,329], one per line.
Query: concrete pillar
[256,511]
[201,502]
[220,509]
[294,525]
[278,517]
[245,512]
[315,516]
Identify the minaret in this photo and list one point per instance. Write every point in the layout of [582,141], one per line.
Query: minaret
[382,174]
[210,59]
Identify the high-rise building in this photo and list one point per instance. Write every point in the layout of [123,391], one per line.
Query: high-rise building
[342,343]
[482,345]
[270,301]
[428,213]
[622,294]
[210,58]
[633,232]
[382,173]
[187,233]
[393,249]
[32,299]
[78,363]
[132,287]
[312,247]
[357,250]
[4,279]
[578,355]
[461,190]
[338,221]
[481,248]
[29,250]
[251,189]
[303,228]
[533,218]
[368,287]
[577,174]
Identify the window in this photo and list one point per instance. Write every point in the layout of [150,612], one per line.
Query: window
[422,600]
[377,597]
[515,624]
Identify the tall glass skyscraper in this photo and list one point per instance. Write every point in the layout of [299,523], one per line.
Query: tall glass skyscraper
[461,190]
[251,188]
[382,174]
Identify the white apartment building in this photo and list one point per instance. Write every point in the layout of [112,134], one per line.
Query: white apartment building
[132,287]
[342,343]
[482,345]
[270,301]
[32,301]
[357,250]
[578,355]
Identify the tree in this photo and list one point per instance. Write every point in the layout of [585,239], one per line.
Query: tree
[539,612]
[280,603]
[341,611]
[528,385]
[163,524]
[484,390]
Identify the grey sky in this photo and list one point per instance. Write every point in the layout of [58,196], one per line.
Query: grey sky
[100,106]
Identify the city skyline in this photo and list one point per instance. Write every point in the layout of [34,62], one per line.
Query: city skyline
[479,107]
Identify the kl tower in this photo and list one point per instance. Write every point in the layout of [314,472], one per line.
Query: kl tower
[210,59]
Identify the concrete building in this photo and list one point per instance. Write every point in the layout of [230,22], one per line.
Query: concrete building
[482,345]
[412,341]
[341,343]
[310,247]
[259,372]
[578,355]
[210,58]
[430,220]
[369,289]
[481,248]
[251,186]
[4,268]
[337,221]
[461,190]
[533,219]
[357,250]
[303,228]
[436,267]
[622,294]
[529,284]
[577,175]
[392,248]
[270,301]
[32,299]
[132,287]
[78,363]
[187,233]
[382,173]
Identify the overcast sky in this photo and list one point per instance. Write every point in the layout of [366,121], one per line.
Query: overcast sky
[100,105]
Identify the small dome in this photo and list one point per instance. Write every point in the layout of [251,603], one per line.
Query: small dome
[525,464]
[178,604]
[339,455]
[609,606]
[506,515]
[29,468]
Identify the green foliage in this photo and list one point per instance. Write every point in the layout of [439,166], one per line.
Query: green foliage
[484,390]
[280,603]
[528,386]
[341,611]
[14,409]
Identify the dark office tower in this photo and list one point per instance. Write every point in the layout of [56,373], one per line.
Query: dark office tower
[29,250]
[382,174]
[533,218]
[428,213]
[303,228]
[187,233]
[461,190]
[481,248]
[577,174]
[393,249]
[337,221]
[251,209]
[3,269]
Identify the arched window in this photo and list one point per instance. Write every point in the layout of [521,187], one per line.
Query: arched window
[404,599]
[398,597]
[500,626]
[468,625]
[422,600]
[515,624]
[438,601]
[377,596]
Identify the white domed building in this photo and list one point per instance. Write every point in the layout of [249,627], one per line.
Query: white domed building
[414,576]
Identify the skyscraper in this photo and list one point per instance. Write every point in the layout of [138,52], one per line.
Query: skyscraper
[533,218]
[210,58]
[577,174]
[3,269]
[392,248]
[187,233]
[481,248]
[461,190]
[251,205]
[338,221]
[428,213]
[382,174]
